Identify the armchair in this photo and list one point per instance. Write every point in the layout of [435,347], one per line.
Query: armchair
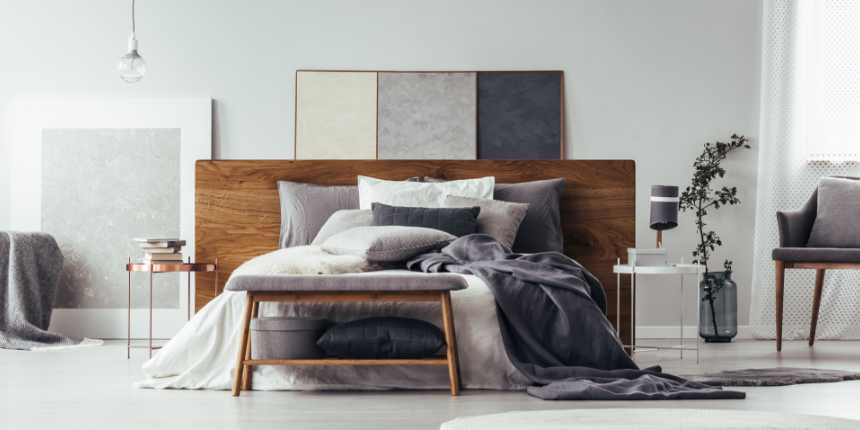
[795,228]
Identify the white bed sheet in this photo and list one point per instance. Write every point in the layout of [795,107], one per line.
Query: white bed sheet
[203,354]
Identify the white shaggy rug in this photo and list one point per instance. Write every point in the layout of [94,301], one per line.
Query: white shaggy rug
[650,419]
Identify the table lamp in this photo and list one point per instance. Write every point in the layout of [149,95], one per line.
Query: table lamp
[664,209]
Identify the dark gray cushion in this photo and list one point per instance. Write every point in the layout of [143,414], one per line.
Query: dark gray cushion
[457,221]
[306,207]
[376,281]
[834,255]
[540,230]
[497,219]
[383,338]
[836,222]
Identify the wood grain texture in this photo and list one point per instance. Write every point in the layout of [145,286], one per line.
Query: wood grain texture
[335,361]
[238,208]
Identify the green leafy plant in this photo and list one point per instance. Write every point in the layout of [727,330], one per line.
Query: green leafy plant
[699,197]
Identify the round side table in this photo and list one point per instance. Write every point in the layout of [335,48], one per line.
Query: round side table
[162,268]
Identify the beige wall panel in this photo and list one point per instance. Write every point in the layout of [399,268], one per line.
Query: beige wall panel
[335,115]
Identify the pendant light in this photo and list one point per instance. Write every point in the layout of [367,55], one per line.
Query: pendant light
[131,66]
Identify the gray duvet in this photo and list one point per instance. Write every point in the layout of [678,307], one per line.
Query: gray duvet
[551,313]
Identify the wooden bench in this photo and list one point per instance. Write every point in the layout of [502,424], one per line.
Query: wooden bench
[347,288]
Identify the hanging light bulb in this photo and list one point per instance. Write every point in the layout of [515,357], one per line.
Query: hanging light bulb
[131,66]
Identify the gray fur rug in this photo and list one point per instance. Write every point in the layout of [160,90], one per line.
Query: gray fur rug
[774,377]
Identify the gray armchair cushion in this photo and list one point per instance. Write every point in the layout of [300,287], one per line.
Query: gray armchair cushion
[833,255]
[796,226]
[836,221]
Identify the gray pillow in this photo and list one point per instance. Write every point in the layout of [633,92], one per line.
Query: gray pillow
[836,222]
[457,221]
[389,243]
[343,221]
[540,230]
[497,219]
[306,207]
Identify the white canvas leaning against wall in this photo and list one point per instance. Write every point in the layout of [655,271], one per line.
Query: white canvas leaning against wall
[95,173]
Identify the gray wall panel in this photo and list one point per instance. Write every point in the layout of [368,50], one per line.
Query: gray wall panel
[426,116]
[100,189]
[519,116]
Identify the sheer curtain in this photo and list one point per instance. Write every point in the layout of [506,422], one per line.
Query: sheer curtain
[810,127]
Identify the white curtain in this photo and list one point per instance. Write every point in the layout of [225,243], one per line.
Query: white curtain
[810,128]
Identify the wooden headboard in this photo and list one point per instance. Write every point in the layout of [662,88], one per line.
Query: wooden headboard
[238,213]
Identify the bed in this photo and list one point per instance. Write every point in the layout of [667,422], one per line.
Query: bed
[237,209]
[238,218]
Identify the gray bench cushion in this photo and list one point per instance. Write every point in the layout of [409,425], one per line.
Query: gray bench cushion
[376,281]
[836,255]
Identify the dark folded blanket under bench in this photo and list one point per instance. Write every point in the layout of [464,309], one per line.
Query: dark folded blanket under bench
[552,318]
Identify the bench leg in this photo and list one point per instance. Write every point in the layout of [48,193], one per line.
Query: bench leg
[816,303]
[451,340]
[243,343]
[780,293]
[249,370]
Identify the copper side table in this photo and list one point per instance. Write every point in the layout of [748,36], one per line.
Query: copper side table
[162,268]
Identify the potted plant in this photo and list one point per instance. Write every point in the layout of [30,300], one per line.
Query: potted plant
[718,309]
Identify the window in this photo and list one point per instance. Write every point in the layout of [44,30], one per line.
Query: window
[829,68]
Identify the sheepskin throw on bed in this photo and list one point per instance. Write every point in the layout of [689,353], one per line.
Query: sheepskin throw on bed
[302,260]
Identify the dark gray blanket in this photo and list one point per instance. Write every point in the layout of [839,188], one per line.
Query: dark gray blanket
[30,265]
[553,324]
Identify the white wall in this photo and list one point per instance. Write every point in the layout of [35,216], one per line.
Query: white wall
[644,80]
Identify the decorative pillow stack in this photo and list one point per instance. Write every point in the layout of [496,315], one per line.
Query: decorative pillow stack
[306,207]
[540,230]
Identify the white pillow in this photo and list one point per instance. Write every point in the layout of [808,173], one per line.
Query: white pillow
[420,194]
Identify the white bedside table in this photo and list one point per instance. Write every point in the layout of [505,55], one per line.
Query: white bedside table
[671,269]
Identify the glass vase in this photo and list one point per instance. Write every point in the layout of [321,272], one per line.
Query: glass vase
[718,310]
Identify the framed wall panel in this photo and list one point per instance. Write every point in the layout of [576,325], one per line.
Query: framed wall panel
[427,116]
[335,115]
[520,115]
[95,173]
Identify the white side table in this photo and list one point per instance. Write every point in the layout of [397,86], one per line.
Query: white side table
[672,269]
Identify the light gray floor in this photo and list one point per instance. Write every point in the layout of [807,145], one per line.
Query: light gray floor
[91,389]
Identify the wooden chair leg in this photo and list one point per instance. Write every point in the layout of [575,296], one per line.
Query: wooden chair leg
[816,303]
[249,370]
[780,293]
[243,343]
[451,340]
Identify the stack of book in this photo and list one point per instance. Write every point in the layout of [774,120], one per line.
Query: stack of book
[161,250]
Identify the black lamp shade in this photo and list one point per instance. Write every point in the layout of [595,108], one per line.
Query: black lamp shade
[664,207]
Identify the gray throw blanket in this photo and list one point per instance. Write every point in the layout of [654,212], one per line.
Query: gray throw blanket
[30,265]
[553,324]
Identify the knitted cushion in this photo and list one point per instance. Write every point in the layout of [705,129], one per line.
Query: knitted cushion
[457,221]
[383,338]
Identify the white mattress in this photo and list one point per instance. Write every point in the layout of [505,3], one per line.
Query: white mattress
[203,354]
